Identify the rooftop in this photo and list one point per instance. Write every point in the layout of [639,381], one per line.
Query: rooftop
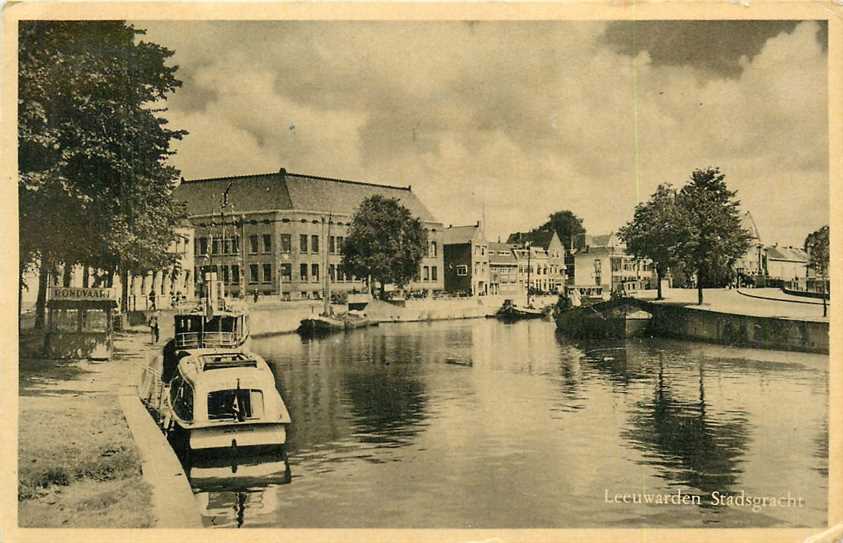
[454,235]
[284,190]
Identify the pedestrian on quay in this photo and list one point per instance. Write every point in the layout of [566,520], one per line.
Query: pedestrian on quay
[255,296]
[154,330]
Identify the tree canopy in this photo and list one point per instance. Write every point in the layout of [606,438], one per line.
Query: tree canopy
[94,183]
[656,231]
[712,235]
[816,245]
[384,242]
[566,224]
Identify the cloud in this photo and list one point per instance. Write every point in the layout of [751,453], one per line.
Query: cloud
[515,118]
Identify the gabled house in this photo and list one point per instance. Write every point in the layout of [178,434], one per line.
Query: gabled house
[546,259]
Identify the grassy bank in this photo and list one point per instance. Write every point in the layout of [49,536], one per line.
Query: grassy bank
[77,463]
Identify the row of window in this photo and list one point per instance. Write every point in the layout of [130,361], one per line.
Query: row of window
[263,273]
[427,273]
[262,244]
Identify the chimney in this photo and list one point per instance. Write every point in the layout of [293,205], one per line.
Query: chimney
[283,172]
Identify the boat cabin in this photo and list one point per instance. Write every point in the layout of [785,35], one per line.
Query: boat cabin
[200,329]
[224,387]
[80,323]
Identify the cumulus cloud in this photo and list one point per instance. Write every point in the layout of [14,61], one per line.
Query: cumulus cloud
[515,118]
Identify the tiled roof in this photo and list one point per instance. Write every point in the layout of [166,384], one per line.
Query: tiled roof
[787,253]
[454,235]
[247,193]
[291,191]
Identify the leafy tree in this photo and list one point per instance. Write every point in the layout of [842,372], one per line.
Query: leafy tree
[94,181]
[566,224]
[712,236]
[385,242]
[816,245]
[655,231]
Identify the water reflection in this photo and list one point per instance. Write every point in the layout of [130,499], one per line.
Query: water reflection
[227,485]
[421,425]
[691,443]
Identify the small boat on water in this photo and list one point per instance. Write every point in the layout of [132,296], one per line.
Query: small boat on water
[327,324]
[510,311]
[222,398]
[613,319]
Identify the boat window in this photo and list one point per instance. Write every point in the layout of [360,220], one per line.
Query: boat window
[181,398]
[240,404]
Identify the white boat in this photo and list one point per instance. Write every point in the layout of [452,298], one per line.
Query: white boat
[225,398]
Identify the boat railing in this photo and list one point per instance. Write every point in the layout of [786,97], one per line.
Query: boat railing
[151,388]
[196,340]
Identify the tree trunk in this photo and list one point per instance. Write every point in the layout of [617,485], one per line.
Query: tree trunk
[383,290]
[86,277]
[124,291]
[110,279]
[699,288]
[658,284]
[41,300]
[66,275]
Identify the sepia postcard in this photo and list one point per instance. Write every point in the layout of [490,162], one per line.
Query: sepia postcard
[422,271]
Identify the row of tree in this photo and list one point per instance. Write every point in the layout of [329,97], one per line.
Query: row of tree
[95,186]
[696,228]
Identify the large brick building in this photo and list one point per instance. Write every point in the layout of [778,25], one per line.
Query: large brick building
[278,233]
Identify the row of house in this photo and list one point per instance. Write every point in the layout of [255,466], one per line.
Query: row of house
[281,234]
[278,234]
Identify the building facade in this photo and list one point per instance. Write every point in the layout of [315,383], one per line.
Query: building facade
[466,258]
[503,270]
[786,267]
[278,234]
[601,261]
[545,260]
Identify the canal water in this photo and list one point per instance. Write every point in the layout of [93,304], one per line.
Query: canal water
[481,424]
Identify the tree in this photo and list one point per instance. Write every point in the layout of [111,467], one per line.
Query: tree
[566,225]
[816,245]
[655,231]
[385,242]
[712,236]
[94,185]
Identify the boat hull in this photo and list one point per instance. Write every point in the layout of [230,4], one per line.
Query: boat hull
[609,320]
[512,312]
[236,435]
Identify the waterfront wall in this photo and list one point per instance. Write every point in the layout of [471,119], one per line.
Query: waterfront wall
[739,330]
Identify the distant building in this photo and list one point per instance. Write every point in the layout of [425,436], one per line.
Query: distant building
[546,259]
[466,260]
[282,230]
[751,264]
[786,267]
[601,261]
[503,270]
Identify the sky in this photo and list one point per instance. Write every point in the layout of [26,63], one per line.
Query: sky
[512,121]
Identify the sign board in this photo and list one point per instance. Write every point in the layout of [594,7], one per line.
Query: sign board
[78,293]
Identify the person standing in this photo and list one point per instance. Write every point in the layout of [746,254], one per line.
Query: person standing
[154,330]
[152,306]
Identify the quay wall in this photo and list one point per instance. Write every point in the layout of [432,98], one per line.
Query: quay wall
[739,330]
[268,318]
